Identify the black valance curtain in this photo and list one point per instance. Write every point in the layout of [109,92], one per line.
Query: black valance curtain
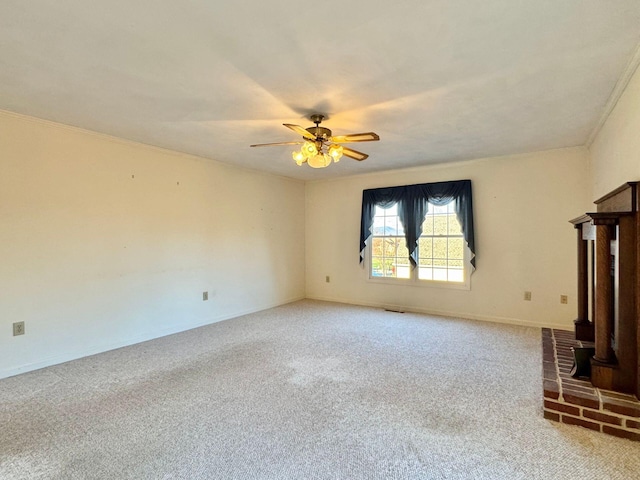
[413,205]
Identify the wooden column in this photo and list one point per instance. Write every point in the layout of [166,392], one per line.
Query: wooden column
[583,327]
[592,286]
[583,280]
[604,294]
[637,282]
[625,346]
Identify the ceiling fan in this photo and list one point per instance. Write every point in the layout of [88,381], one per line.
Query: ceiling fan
[319,148]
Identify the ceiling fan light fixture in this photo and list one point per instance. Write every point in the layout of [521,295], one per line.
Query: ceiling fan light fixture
[320,147]
[320,160]
[298,156]
[309,149]
[336,152]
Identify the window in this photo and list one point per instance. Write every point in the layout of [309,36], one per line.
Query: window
[440,249]
[389,253]
[441,246]
[420,234]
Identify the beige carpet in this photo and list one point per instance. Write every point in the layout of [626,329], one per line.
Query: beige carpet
[310,390]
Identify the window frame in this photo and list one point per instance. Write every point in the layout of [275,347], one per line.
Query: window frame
[414,279]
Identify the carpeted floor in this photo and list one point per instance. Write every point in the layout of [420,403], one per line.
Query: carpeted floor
[309,390]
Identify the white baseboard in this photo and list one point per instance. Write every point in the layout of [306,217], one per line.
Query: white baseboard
[105,347]
[444,313]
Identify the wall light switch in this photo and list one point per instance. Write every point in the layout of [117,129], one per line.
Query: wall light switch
[527,296]
[564,299]
[205,296]
[327,279]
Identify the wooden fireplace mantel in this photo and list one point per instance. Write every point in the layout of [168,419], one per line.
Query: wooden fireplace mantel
[609,283]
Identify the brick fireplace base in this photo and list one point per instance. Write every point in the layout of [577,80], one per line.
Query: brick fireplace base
[576,401]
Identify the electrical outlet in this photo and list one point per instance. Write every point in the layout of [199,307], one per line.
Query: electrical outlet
[327,279]
[18,328]
[564,299]
[205,296]
[527,296]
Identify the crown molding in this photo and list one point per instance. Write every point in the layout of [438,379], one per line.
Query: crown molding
[616,93]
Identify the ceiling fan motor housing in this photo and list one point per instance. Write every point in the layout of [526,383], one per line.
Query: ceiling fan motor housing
[319,132]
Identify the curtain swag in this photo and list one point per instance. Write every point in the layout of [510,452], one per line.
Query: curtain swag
[413,205]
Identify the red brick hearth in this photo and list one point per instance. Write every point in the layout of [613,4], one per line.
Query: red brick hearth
[576,401]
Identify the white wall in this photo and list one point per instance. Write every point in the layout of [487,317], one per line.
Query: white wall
[522,205]
[615,151]
[106,243]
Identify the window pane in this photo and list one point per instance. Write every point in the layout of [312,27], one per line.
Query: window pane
[389,247]
[376,267]
[426,262]
[455,264]
[454,225]
[440,274]
[403,251]
[389,268]
[403,271]
[438,208]
[376,247]
[390,225]
[425,273]
[440,262]
[424,247]
[456,248]
[402,260]
[456,275]
[440,225]
[440,247]
[378,226]
[427,226]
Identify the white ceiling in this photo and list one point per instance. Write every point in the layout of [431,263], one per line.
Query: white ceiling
[438,80]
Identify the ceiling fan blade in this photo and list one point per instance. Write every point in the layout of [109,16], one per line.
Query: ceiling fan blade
[300,130]
[356,137]
[354,154]
[277,143]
